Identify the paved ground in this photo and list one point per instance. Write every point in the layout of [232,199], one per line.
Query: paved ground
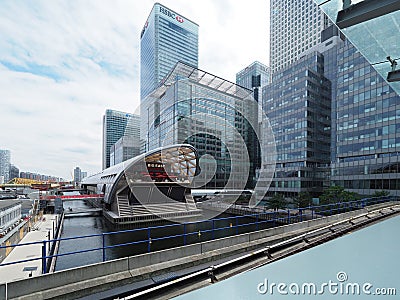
[13,272]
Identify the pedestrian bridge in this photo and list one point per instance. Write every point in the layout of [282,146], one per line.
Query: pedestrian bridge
[81,211]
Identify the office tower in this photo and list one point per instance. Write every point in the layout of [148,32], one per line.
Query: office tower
[77,175]
[116,124]
[5,157]
[167,37]
[367,140]
[295,26]
[365,119]
[254,77]
[208,112]
[14,172]
[125,148]
[298,105]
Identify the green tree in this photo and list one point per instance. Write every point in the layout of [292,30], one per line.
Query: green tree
[381,194]
[276,202]
[337,194]
[332,195]
[302,200]
[349,196]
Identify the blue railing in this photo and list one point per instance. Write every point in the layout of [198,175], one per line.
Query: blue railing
[191,235]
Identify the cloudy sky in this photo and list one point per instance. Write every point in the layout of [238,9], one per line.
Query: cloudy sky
[63,63]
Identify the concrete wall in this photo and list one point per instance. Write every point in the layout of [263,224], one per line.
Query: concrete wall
[134,268]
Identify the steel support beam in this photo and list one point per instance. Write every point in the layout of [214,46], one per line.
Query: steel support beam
[364,11]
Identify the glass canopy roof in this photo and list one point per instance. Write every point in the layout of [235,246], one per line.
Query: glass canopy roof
[376,38]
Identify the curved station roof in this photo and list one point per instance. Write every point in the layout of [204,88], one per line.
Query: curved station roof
[173,165]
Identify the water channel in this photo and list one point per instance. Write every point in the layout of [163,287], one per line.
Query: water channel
[97,225]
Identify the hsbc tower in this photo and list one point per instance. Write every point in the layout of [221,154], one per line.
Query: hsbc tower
[167,37]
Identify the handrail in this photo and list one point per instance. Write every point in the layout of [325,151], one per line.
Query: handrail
[281,216]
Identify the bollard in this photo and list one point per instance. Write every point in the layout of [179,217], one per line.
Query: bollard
[44,257]
[213,227]
[257,222]
[104,247]
[184,234]
[237,227]
[149,240]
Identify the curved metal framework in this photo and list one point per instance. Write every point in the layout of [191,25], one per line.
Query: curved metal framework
[156,181]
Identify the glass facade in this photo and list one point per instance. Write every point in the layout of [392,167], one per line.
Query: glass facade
[367,127]
[248,77]
[125,148]
[254,77]
[209,113]
[166,38]
[363,132]
[295,27]
[376,38]
[5,157]
[117,124]
[298,105]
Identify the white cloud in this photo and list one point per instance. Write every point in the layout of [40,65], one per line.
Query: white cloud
[63,63]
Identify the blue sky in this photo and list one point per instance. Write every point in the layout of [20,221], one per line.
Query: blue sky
[63,63]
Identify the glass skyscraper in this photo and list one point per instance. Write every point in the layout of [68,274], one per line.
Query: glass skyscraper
[296,26]
[298,105]
[208,112]
[362,131]
[367,123]
[254,77]
[117,124]
[5,157]
[166,38]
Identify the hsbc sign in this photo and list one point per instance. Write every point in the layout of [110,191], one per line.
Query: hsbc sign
[172,15]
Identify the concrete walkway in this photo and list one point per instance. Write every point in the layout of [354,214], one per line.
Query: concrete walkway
[39,233]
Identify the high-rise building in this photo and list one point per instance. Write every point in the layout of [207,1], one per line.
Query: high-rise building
[40,177]
[365,118]
[77,175]
[116,124]
[254,77]
[366,155]
[295,26]
[298,105]
[14,172]
[125,148]
[5,157]
[167,37]
[211,114]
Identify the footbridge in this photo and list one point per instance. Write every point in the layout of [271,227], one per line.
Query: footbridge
[82,211]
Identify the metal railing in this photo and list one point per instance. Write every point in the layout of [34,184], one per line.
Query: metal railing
[187,229]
